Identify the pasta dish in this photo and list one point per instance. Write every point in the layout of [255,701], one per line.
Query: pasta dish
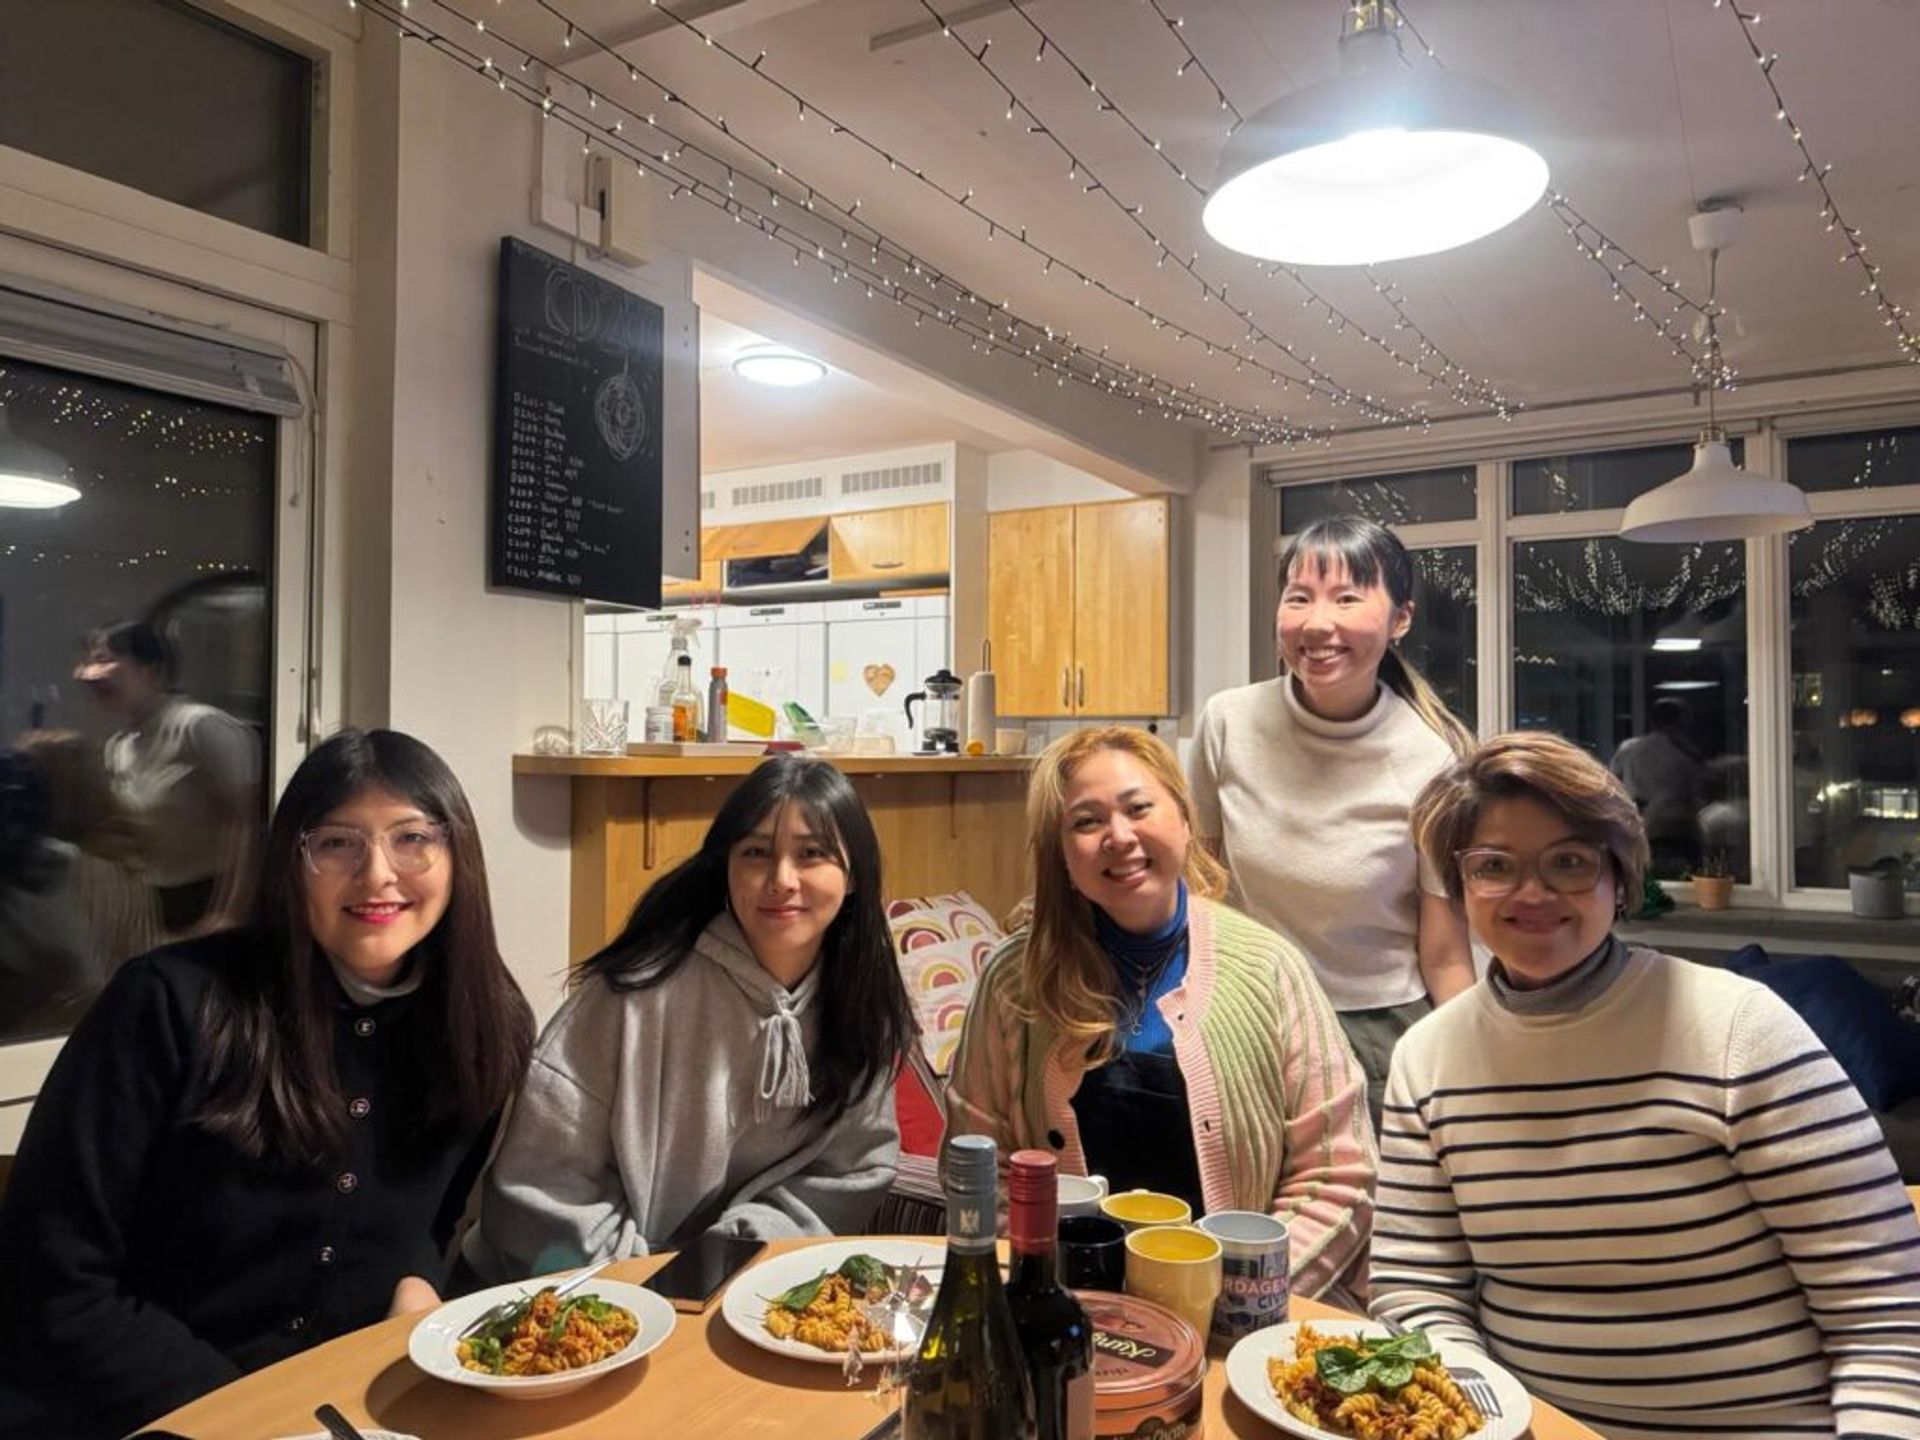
[1390,1388]
[549,1335]
[829,1311]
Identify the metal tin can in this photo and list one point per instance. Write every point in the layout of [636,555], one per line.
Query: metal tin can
[1149,1370]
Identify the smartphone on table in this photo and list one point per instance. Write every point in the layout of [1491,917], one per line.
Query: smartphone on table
[691,1280]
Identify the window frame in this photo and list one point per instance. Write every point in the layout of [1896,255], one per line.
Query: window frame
[1495,529]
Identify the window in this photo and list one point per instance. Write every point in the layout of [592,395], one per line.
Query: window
[232,140]
[1639,653]
[1854,608]
[1599,479]
[1417,498]
[167,522]
[1443,642]
[1855,462]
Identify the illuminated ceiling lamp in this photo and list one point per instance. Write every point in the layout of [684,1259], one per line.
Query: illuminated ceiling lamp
[1715,499]
[772,365]
[1379,163]
[32,477]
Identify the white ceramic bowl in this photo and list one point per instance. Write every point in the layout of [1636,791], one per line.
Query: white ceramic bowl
[431,1346]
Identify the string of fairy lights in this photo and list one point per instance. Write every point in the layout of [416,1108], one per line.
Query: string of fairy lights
[990,329]
[1314,381]
[1893,317]
[1459,383]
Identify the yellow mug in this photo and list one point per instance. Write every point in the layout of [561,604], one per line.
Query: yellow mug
[1137,1209]
[1177,1266]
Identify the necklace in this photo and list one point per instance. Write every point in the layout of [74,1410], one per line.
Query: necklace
[1143,967]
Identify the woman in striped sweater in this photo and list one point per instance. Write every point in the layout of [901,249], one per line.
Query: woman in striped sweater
[1140,1030]
[1641,1184]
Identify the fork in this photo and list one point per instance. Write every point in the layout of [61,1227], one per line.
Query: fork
[495,1313]
[1475,1386]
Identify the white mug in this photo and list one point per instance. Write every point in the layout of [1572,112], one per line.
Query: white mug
[1256,1272]
[1081,1194]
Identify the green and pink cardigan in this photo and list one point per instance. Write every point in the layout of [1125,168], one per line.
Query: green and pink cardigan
[1277,1100]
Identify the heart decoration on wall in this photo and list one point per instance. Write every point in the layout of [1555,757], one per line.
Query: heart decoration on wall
[879,678]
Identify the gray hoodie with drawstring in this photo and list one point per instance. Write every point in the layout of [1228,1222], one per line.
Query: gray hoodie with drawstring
[649,1116]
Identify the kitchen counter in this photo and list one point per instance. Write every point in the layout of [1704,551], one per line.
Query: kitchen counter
[944,824]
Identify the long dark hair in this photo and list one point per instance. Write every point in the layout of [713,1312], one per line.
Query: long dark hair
[866,1023]
[270,1085]
[1372,555]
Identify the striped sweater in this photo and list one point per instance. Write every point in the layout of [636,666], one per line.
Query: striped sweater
[1277,1101]
[1668,1212]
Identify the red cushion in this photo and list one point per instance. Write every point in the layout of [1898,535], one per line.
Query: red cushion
[922,1118]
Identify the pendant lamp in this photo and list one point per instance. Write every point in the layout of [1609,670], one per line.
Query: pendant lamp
[1379,163]
[32,477]
[1715,499]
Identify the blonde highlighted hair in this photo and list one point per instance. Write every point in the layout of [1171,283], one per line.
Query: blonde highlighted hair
[1532,765]
[1066,978]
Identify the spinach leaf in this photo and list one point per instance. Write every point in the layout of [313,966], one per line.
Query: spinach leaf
[864,1273]
[801,1295]
[1384,1365]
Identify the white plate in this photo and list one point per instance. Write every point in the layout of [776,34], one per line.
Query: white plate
[744,1307]
[431,1346]
[1247,1377]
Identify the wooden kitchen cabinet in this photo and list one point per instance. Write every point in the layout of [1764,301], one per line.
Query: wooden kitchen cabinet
[1030,609]
[886,544]
[1078,609]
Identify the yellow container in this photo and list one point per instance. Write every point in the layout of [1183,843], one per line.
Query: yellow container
[1177,1266]
[1137,1208]
[746,713]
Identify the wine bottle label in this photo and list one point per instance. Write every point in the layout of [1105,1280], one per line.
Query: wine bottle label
[970,1226]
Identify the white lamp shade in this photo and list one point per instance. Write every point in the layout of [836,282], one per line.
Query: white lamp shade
[32,477]
[785,368]
[1376,164]
[1715,500]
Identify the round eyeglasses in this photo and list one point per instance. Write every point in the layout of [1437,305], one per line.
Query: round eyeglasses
[340,851]
[1572,867]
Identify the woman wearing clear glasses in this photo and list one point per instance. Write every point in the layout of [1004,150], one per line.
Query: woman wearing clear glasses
[260,1139]
[1641,1184]
[727,1063]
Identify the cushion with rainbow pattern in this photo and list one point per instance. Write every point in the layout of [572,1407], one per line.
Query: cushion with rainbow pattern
[943,942]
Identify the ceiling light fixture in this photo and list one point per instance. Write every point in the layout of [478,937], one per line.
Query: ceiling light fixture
[1715,499]
[1379,163]
[32,477]
[770,365]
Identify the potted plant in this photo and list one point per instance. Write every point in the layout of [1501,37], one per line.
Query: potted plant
[1878,890]
[1713,881]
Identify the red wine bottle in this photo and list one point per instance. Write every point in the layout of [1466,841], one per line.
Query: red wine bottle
[968,1381]
[1054,1332]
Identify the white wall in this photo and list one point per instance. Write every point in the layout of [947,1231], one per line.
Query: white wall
[1028,480]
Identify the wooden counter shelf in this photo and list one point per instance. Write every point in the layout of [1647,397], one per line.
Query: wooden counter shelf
[952,823]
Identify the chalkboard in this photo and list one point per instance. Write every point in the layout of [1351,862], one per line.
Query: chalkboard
[578,426]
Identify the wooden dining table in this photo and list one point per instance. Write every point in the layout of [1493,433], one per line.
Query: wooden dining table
[704,1381]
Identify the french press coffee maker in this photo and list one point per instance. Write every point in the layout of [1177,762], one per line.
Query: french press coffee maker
[940,705]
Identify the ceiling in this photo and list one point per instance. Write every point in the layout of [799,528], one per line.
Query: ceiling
[744,424]
[1645,109]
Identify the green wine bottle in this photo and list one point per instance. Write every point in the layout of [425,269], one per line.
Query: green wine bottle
[968,1381]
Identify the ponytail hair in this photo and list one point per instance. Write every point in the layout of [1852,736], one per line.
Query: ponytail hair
[1372,555]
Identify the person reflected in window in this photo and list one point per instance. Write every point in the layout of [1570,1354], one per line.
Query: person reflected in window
[1143,1031]
[1663,771]
[1302,786]
[189,772]
[1724,820]
[262,1138]
[728,1060]
[1641,1184]
[109,844]
[47,969]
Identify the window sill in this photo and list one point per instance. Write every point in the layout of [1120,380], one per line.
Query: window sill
[1833,932]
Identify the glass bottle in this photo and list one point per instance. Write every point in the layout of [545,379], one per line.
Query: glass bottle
[717,705]
[968,1381]
[1054,1331]
[686,701]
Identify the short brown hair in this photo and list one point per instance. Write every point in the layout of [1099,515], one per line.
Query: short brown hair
[1536,766]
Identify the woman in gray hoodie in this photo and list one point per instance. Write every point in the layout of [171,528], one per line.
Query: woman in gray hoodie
[728,1061]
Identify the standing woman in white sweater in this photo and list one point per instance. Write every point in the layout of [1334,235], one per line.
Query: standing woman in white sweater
[728,1061]
[1303,784]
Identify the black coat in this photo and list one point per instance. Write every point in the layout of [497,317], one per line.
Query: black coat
[144,1262]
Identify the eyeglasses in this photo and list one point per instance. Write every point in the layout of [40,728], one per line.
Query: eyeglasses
[341,852]
[1572,867]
